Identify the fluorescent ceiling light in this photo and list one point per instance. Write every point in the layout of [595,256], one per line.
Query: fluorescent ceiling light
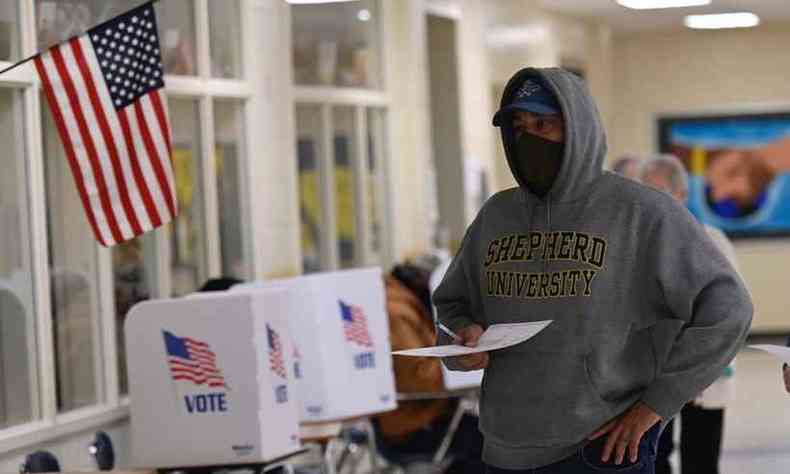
[363,15]
[655,4]
[722,20]
[503,36]
[314,2]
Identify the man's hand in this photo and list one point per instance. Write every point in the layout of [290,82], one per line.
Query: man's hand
[786,370]
[626,431]
[469,337]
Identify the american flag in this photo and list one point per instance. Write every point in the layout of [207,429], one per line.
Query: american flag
[192,360]
[355,324]
[105,91]
[276,361]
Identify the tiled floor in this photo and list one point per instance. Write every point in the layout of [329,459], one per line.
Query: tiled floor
[757,424]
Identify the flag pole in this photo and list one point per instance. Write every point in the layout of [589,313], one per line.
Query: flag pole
[30,58]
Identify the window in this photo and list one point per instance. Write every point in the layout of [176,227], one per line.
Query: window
[337,44]
[63,297]
[132,284]
[9,31]
[342,204]
[340,134]
[345,144]
[58,20]
[375,182]
[308,144]
[18,375]
[187,231]
[225,38]
[74,292]
[228,161]
[177,35]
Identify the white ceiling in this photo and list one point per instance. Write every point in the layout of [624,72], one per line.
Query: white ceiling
[624,19]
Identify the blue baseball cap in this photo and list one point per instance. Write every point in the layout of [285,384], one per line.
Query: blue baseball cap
[533,97]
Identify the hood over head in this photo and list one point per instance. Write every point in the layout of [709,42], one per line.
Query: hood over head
[585,140]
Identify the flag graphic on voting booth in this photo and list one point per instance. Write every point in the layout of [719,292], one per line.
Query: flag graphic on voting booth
[276,361]
[339,322]
[355,325]
[193,367]
[208,381]
[192,361]
[105,90]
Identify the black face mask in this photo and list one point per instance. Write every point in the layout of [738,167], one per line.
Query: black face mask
[538,162]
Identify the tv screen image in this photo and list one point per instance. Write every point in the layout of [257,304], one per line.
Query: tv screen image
[739,169]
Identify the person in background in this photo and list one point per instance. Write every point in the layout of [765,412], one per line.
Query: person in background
[613,264]
[702,420]
[417,427]
[626,165]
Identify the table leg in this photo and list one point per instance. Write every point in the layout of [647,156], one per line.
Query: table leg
[465,406]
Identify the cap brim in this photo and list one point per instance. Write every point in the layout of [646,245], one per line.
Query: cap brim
[533,107]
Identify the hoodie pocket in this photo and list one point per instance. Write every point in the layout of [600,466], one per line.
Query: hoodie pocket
[540,398]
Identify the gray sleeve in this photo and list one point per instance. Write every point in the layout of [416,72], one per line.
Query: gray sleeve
[453,297]
[699,287]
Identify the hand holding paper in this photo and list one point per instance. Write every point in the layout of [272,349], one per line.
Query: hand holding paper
[497,336]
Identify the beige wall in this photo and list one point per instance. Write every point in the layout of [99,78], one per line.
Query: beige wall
[686,71]
[407,76]
[273,169]
[410,154]
[476,101]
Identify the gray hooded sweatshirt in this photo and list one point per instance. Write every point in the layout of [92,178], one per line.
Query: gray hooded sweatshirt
[645,307]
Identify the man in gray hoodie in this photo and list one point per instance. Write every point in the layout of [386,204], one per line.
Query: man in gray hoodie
[647,312]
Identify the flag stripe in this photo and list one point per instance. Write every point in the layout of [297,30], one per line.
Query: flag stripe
[147,166]
[154,157]
[68,146]
[215,373]
[106,134]
[72,129]
[200,381]
[156,101]
[93,131]
[208,373]
[89,145]
[160,140]
[194,343]
[142,186]
[138,188]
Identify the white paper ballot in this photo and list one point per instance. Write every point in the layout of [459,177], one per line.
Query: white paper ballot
[782,352]
[497,336]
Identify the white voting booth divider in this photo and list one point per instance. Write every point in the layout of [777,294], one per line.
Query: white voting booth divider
[341,332]
[208,380]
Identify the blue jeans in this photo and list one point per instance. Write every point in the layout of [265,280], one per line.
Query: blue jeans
[588,460]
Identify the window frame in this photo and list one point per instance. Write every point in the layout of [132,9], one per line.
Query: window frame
[362,100]
[47,424]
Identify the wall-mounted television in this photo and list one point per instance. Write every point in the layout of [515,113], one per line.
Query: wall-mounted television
[739,169]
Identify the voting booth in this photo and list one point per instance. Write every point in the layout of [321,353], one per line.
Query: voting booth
[209,381]
[341,332]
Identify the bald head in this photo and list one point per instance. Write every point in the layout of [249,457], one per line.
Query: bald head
[665,173]
[627,166]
